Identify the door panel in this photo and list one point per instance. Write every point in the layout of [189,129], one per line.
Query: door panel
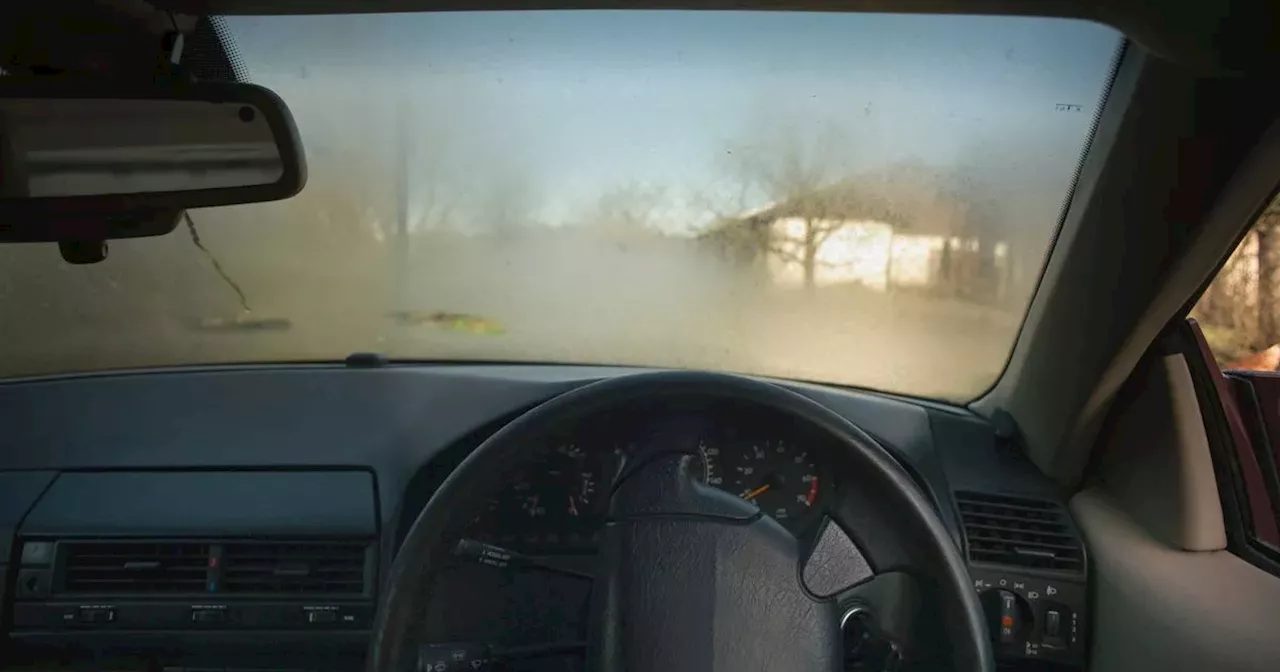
[1184,453]
[1161,608]
[1256,396]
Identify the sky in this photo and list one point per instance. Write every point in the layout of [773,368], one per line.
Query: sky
[554,109]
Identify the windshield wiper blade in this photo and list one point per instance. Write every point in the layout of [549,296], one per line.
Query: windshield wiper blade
[465,322]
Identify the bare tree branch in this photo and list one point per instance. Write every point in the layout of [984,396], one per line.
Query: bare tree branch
[786,254]
[795,173]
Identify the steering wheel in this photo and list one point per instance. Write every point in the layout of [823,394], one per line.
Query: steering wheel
[690,578]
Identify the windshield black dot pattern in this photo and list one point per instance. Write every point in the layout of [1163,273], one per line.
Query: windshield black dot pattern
[210,53]
[1088,143]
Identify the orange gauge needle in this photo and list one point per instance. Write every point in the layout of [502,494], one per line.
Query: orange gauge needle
[756,493]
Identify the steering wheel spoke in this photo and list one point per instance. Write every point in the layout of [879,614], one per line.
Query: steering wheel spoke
[834,563]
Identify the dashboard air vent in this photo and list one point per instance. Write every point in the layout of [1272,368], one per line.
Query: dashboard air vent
[1016,531]
[319,568]
[127,567]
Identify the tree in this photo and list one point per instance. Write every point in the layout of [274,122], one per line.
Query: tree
[632,207]
[1268,234]
[913,197]
[630,214]
[798,178]
[504,202]
[821,213]
[980,219]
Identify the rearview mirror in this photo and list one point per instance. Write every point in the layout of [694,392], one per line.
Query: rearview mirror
[82,152]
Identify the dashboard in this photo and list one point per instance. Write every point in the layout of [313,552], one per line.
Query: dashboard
[239,518]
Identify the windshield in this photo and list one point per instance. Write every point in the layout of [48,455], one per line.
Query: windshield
[847,198]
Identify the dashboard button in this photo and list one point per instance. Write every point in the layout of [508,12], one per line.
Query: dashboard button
[1055,617]
[322,616]
[33,583]
[209,616]
[1052,623]
[37,553]
[96,615]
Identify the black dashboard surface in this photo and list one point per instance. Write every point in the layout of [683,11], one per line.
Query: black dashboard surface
[200,503]
[391,420]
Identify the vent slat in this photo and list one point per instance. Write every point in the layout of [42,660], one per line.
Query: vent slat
[119,581]
[1016,531]
[1010,500]
[293,568]
[1004,506]
[264,568]
[1001,542]
[1021,533]
[1011,517]
[134,567]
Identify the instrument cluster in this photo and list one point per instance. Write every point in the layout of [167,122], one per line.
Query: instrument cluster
[556,501]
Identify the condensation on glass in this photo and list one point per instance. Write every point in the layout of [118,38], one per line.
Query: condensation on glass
[856,199]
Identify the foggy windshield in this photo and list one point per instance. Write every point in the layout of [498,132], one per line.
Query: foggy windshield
[849,198]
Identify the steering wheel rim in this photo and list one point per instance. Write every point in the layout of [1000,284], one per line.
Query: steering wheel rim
[405,591]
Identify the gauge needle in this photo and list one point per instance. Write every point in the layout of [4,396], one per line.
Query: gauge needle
[756,493]
[573,508]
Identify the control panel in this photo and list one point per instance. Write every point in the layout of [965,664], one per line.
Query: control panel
[1034,616]
[168,585]
[189,615]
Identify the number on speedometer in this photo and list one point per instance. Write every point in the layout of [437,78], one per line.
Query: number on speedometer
[780,478]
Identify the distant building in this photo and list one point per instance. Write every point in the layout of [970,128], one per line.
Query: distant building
[928,244]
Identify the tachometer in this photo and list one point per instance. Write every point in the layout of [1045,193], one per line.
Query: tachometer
[706,468]
[779,477]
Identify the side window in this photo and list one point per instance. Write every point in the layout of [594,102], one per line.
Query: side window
[1239,316]
[1240,311]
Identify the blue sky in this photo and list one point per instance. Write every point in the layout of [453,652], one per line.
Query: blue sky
[573,104]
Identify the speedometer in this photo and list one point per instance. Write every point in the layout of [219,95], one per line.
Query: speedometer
[779,477]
